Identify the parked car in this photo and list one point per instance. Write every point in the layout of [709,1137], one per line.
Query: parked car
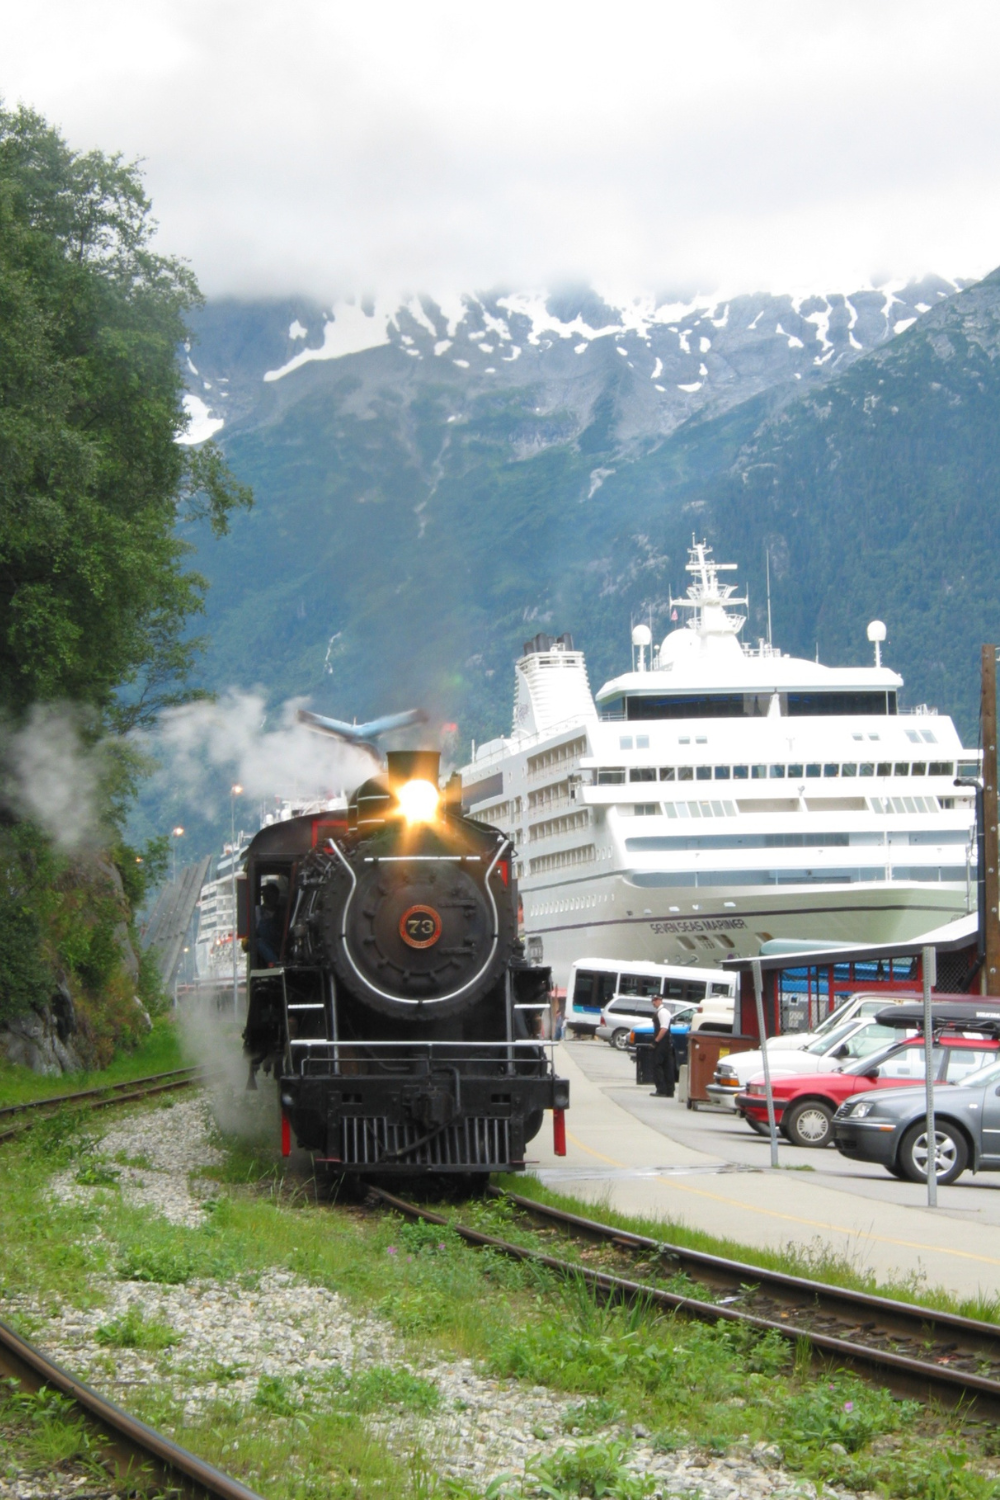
[890,1127]
[854,1039]
[861,1006]
[805,1104]
[626,1014]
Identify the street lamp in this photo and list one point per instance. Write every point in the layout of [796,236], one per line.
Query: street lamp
[234,791]
[175,833]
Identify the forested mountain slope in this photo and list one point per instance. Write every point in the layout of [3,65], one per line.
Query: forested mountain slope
[419,513]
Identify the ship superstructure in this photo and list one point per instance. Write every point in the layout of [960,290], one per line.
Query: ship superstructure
[720,795]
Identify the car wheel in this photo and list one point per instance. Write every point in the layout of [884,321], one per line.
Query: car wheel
[952,1152]
[760,1126]
[619,1039]
[809,1124]
[895,1169]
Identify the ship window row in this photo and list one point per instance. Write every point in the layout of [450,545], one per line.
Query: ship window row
[557,756]
[792,771]
[840,875]
[723,808]
[553,826]
[556,791]
[871,838]
[583,854]
[903,804]
[760,705]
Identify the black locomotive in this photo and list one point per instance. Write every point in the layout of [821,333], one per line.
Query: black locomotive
[387,990]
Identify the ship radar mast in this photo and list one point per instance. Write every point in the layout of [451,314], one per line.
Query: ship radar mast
[707,598]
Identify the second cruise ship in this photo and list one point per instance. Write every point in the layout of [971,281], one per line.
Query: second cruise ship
[719,795]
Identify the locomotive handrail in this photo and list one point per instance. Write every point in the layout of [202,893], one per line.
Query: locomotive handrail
[408,1046]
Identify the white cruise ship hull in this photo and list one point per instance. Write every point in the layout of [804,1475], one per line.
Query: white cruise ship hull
[733,923]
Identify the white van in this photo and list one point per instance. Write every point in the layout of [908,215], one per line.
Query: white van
[594,982]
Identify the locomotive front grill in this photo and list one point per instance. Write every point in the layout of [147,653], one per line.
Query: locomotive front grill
[479,1143]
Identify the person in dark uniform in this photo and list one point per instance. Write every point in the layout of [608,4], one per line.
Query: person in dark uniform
[270,926]
[664,1057]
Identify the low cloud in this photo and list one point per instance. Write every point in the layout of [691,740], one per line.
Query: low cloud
[322,149]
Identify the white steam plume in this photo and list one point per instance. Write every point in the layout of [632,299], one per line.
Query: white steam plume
[53,777]
[197,742]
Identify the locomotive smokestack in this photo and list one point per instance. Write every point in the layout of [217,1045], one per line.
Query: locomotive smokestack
[413,765]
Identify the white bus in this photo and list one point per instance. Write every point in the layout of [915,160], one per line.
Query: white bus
[594,982]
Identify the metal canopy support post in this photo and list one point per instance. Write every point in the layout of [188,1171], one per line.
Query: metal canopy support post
[758,990]
[989,850]
[929,966]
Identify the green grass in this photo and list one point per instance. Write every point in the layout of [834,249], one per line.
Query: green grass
[814,1261]
[160,1052]
[46,1428]
[307,1435]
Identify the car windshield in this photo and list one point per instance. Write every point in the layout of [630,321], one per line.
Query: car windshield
[872,1061]
[823,1044]
[834,1019]
[983,1077]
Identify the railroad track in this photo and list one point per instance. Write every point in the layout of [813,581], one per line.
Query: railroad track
[24,1115]
[914,1351]
[131,1446]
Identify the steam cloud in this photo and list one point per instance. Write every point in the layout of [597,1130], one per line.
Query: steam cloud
[52,777]
[195,744]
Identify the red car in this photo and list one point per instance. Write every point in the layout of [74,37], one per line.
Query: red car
[804,1106]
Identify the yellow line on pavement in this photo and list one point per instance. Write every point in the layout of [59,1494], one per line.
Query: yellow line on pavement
[771,1213]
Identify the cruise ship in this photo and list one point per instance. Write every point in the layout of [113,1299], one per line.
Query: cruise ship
[719,795]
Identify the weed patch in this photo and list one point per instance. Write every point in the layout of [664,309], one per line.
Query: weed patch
[135,1331]
[597,1470]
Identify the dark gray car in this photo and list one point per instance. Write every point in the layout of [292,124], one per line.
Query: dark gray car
[889,1126]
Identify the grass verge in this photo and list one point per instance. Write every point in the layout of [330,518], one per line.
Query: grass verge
[159,1052]
[815,1261]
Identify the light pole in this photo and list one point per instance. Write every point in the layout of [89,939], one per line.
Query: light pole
[175,833]
[234,792]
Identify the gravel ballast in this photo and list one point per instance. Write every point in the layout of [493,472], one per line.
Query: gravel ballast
[230,1338]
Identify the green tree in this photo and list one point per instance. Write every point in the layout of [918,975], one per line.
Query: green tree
[95,601]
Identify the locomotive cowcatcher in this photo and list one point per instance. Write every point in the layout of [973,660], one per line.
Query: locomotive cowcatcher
[387,988]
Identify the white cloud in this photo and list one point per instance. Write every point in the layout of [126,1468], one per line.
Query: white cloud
[322,148]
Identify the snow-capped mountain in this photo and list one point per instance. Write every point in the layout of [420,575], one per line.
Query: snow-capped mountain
[683,358]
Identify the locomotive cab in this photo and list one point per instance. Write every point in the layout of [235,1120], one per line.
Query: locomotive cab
[388,990]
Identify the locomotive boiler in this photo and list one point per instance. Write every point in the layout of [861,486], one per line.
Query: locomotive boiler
[388,991]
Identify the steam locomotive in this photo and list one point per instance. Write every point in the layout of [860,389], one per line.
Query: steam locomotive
[387,989]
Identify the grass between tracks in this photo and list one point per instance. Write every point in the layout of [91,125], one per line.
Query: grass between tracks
[716,1388]
[159,1052]
[816,1262]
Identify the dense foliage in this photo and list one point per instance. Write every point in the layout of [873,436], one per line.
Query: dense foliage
[93,593]
[95,597]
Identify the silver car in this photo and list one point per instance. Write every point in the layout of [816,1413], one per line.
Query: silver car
[889,1126]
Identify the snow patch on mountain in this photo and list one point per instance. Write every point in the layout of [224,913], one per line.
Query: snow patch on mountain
[350,329]
[201,425]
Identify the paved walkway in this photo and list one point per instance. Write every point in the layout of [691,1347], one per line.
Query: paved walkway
[615,1158]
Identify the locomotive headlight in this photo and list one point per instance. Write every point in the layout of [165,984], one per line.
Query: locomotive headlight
[418,801]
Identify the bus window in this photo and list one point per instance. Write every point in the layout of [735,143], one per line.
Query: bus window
[593,989]
[639,984]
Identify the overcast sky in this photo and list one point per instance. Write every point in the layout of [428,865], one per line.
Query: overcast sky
[310,146]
